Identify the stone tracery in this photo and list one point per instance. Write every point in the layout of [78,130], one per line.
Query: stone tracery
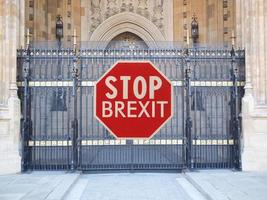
[102,10]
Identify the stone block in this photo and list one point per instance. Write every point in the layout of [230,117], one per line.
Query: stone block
[4,129]
[254,150]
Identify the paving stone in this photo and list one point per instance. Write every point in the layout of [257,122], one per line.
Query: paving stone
[141,186]
[231,185]
[36,186]
[10,196]
[218,185]
[62,188]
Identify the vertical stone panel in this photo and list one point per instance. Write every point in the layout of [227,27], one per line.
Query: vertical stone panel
[45,13]
[6,49]
[10,40]
[254,104]
[261,57]
[1,52]
[84,18]
[255,44]
[178,19]
[265,44]
[216,22]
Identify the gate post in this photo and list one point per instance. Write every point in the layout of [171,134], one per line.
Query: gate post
[188,123]
[235,124]
[74,123]
[26,125]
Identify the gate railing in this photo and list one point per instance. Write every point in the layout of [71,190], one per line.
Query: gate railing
[232,77]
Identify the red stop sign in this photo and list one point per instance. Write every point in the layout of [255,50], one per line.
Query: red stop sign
[133,100]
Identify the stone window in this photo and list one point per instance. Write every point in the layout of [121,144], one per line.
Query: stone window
[31,4]
[31,17]
[31,30]
[225,17]
[69,26]
[210,10]
[185,2]
[69,13]
[69,2]
[225,30]
[225,4]
[184,14]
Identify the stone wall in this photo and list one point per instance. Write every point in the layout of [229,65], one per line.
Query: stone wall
[171,17]
[158,12]
[41,16]
[86,15]
[11,38]
[216,20]
[252,29]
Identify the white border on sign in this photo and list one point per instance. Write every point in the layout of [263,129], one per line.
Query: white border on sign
[127,138]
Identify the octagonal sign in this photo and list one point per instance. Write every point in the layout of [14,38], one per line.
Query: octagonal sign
[133,100]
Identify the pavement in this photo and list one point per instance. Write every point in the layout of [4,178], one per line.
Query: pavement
[36,185]
[230,185]
[197,185]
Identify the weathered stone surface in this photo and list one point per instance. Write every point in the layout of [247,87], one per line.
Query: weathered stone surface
[171,17]
[251,26]
[12,37]
[36,186]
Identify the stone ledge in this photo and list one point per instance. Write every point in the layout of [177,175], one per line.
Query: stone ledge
[259,114]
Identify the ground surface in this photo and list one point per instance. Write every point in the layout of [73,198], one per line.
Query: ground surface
[215,184]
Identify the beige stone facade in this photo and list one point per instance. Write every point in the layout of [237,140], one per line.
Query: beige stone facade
[216,20]
[252,35]
[11,38]
[168,19]
[148,20]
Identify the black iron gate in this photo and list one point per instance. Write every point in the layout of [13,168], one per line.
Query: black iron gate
[59,130]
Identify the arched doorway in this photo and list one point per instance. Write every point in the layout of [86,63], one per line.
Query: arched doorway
[127,22]
[127,40]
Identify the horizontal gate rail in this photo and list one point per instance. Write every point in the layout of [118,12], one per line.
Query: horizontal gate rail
[48,143]
[106,54]
[92,83]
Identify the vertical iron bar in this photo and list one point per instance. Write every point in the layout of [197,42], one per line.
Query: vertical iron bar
[75,120]
[26,115]
[188,124]
[235,111]
[81,118]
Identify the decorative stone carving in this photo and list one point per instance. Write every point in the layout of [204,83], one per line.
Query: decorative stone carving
[95,14]
[157,18]
[150,9]
[112,8]
[143,8]
[123,22]
[127,6]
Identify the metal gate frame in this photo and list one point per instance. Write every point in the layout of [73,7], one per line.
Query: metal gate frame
[75,144]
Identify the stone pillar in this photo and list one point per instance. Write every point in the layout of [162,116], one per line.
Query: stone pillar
[252,35]
[11,38]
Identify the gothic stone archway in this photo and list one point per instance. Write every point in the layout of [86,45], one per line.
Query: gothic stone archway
[128,22]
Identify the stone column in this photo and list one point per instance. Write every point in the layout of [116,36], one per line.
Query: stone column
[11,38]
[252,35]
